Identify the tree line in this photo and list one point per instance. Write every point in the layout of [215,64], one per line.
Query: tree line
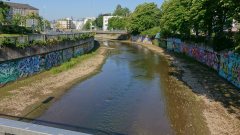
[208,21]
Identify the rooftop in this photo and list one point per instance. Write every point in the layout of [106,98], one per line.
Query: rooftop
[22,6]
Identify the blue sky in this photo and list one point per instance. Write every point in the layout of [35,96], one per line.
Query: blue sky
[54,9]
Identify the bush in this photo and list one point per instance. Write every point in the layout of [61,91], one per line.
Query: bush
[151,32]
[222,42]
[54,41]
[14,29]
[7,42]
[237,49]
[22,45]
[38,42]
[237,39]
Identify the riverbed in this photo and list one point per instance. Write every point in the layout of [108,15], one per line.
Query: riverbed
[132,94]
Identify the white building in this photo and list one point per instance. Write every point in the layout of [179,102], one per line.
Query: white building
[105,22]
[78,24]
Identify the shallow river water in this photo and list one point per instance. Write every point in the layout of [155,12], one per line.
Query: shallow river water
[131,94]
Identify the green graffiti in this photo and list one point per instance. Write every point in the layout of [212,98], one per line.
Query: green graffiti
[8,72]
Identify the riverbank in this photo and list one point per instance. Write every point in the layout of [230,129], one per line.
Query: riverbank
[220,99]
[28,97]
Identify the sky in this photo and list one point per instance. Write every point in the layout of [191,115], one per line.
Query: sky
[56,9]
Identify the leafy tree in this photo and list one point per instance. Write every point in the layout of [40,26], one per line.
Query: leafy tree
[119,11]
[176,17]
[151,32]
[18,20]
[4,8]
[88,25]
[40,23]
[117,23]
[47,24]
[144,17]
[99,20]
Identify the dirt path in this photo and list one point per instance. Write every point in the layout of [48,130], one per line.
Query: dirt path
[221,99]
[23,99]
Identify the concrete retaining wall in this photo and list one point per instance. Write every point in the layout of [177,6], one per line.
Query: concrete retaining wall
[17,63]
[141,39]
[227,64]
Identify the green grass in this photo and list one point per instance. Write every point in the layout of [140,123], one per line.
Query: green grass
[73,62]
[10,35]
[155,42]
[28,80]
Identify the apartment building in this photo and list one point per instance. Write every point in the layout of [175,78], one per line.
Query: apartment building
[23,10]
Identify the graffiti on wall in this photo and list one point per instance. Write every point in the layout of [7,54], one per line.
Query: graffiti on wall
[67,54]
[15,69]
[8,72]
[52,59]
[141,39]
[29,66]
[230,67]
[226,64]
[78,50]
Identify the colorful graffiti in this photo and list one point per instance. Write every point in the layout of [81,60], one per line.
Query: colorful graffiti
[53,59]
[15,69]
[230,67]
[226,64]
[29,66]
[8,72]
[141,39]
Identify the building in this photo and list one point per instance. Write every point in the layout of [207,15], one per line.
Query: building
[23,10]
[105,22]
[78,24]
[65,24]
[61,24]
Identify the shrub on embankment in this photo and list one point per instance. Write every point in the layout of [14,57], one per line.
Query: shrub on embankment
[14,42]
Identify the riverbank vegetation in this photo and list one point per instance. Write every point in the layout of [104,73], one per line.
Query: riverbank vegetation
[208,21]
[13,41]
[70,64]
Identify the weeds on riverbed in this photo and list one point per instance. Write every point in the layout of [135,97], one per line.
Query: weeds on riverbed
[73,62]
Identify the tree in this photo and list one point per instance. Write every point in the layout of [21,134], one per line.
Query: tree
[47,24]
[119,11]
[18,20]
[99,21]
[87,25]
[39,19]
[117,23]
[4,8]
[145,16]
[175,17]
[210,18]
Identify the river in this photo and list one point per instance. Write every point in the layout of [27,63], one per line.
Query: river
[132,94]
